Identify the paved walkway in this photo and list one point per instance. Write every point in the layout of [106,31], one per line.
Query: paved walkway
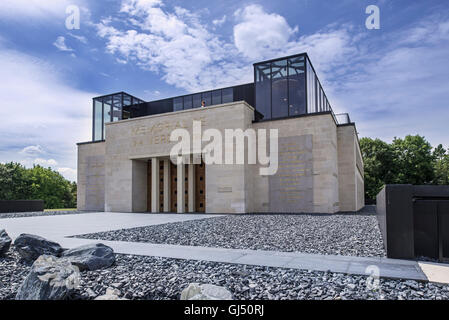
[388,268]
[58,228]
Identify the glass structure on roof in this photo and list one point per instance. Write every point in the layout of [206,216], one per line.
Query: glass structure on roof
[110,108]
[282,88]
[288,87]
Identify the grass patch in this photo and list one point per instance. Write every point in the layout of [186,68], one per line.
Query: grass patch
[66,209]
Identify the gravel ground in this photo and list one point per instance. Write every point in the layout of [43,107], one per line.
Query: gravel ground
[139,277]
[339,234]
[39,213]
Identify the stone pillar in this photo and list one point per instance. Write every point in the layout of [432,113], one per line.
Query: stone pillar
[191,187]
[167,190]
[155,204]
[181,172]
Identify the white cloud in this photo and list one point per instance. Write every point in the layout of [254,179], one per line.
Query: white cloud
[174,44]
[179,46]
[45,162]
[60,44]
[260,33]
[81,39]
[46,120]
[219,22]
[32,150]
[68,173]
[19,9]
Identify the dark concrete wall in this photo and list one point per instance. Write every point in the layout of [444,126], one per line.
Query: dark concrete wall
[21,205]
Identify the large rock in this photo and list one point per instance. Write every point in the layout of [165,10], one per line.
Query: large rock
[197,291]
[91,256]
[111,294]
[50,278]
[30,247]
[5,242]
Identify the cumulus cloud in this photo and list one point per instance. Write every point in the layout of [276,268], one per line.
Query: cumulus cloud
[174,44]
[187,54]
[60,44]
[260,33]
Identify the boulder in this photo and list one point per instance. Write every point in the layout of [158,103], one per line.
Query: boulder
[111,294]
[5,242]
[50,278]
[30,247]
[91,256]
[196,291]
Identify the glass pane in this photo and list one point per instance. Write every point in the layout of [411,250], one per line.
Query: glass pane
[98,124]
[263,90]
[187,102]
[296,86]
[279,89]
[207,98]
[228,95]
[106,117]
[177,104]
[197,100]
[117,108]
[216,97]
[311,89]
[127,100]
[322,104]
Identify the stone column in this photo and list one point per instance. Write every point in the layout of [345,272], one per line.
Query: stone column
[181,172]
[155,204]
[191,189]
[167,190]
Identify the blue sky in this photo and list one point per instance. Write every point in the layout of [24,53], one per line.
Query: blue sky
[393,81]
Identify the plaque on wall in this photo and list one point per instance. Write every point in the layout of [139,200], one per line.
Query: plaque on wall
[291,188]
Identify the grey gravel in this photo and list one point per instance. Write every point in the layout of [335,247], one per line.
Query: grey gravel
[140,277]
[39,213]
[338,234]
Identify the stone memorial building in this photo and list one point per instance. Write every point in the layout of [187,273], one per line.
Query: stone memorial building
[127,167]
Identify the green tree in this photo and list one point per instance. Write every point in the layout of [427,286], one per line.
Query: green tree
[441,165]
[378,157]
[17,182]
[14,182]
[414,160]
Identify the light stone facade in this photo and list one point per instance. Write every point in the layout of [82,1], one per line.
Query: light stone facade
[326,165]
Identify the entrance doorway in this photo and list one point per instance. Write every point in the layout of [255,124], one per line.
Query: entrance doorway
[199,190]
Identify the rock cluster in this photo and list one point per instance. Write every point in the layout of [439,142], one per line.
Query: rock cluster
[54,273]
[30,247]
[91,256]
[50,278]
[5,242]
